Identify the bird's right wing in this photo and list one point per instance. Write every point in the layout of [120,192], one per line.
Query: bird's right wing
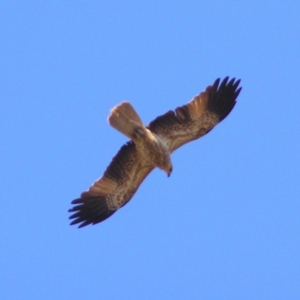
[114,189]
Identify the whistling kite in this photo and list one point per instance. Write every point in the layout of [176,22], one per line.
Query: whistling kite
[151,146]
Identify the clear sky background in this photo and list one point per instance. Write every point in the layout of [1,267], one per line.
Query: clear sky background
[225,225]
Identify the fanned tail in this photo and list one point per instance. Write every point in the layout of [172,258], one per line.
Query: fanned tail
[124,118]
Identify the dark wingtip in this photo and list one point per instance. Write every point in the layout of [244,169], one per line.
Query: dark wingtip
[89,210]
[222,96]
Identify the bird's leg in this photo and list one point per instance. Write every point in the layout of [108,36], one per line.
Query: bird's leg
[139,132]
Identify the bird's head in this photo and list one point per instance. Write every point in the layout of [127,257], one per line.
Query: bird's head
[165,163]
[168,167]
[170,171]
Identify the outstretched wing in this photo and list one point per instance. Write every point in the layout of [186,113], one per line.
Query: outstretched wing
[114,189]
[195,119]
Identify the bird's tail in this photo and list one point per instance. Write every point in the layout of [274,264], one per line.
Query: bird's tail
[125,119]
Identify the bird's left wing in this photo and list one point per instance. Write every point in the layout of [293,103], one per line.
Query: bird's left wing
[195,119]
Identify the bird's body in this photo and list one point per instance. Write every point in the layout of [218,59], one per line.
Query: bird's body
[150,147]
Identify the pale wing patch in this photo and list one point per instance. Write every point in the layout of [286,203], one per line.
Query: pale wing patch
[102,187]
[197,106]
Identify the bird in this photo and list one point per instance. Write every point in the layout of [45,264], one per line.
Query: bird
[150,147]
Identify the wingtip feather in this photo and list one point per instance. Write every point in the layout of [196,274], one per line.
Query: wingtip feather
[90,210]
[222,96]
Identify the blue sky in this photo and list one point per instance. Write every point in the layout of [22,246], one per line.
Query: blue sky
[225,225]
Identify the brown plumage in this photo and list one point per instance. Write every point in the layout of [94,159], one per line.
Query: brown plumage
[150,146]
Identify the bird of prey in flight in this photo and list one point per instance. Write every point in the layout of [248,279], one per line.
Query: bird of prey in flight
[150,147]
